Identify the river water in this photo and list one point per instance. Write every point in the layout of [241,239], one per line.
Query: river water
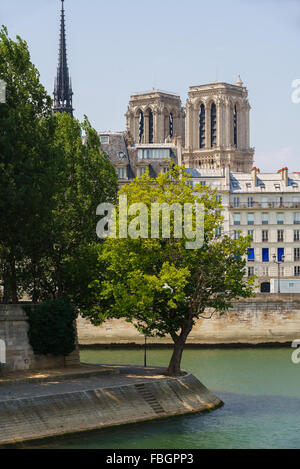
[260,389]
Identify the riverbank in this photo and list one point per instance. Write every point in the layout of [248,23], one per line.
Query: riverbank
[35,410]
[266,320]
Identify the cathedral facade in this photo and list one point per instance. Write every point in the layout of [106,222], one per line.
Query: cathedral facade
[211,132]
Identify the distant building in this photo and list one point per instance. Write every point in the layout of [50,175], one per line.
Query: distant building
[266,207]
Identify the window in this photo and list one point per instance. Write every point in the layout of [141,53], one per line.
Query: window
[280,218]
[219,232]
[236,202]
[154,154]
[248,185]
[297,218]
[250,218]
[277,187]
[122,155]
[251,255]
[280,236]
[104,139]
[265,287]
[250,271]
[265,271]
[250,202]
[296,235]
[265,218]
[237,235]
[279,201]
[171,125]
[237,219]
[265,236]
[251,233]
[297,254]
[235,127]
[265,255]
[280,254]
[150,127]
[121,173]
[297,271]
[202,126]
[219,199]
[141,127]
[265,202]
[142,171]
[213,125]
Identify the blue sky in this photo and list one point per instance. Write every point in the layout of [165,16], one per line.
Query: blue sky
[118,47]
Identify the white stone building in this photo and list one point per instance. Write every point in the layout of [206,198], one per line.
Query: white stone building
[266,207]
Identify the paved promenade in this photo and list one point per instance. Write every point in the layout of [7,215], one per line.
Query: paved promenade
[79,379]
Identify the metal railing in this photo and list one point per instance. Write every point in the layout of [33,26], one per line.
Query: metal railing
[266,205]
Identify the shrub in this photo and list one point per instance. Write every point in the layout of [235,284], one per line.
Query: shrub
[51,327]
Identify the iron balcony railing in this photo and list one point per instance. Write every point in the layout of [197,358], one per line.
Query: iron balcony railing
[266,205]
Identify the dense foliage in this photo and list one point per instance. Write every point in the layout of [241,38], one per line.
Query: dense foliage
[52,327]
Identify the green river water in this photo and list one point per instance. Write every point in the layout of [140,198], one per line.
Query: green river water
[260,389]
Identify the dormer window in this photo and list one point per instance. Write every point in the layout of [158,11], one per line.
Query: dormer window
[104,139]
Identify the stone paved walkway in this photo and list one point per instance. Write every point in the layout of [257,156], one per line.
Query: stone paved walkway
[85,379]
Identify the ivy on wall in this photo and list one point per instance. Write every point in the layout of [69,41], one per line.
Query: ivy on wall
[51,327]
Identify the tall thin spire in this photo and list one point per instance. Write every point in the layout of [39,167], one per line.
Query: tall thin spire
[63,87]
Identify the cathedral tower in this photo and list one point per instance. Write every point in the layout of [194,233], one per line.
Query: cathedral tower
[155,117]
[63,87]
[218,127]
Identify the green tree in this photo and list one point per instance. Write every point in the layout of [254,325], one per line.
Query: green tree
[86,179]
[27,164]
[159,285]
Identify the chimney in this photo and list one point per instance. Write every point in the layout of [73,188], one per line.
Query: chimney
[255,172]
[284,175]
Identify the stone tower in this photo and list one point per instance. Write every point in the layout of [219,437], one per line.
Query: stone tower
[63,93]
[155,117]
[218,127]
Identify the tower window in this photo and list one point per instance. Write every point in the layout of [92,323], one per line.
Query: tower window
[202,126]
[141,127]
[213,125]
[171,125]
[235,125]
[150,127]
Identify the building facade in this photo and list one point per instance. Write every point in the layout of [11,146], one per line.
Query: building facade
[267,208]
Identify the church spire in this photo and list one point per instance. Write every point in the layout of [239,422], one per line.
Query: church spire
[63,87]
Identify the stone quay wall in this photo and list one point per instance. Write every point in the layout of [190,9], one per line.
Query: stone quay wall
[37,417]
[265,319]
[19,354]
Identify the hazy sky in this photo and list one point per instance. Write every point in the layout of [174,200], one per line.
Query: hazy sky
[118,47]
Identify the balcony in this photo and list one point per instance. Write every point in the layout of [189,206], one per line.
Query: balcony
[266,206]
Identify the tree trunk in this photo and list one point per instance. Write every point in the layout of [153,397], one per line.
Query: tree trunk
[14,294]
[175,363]
[179,343]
